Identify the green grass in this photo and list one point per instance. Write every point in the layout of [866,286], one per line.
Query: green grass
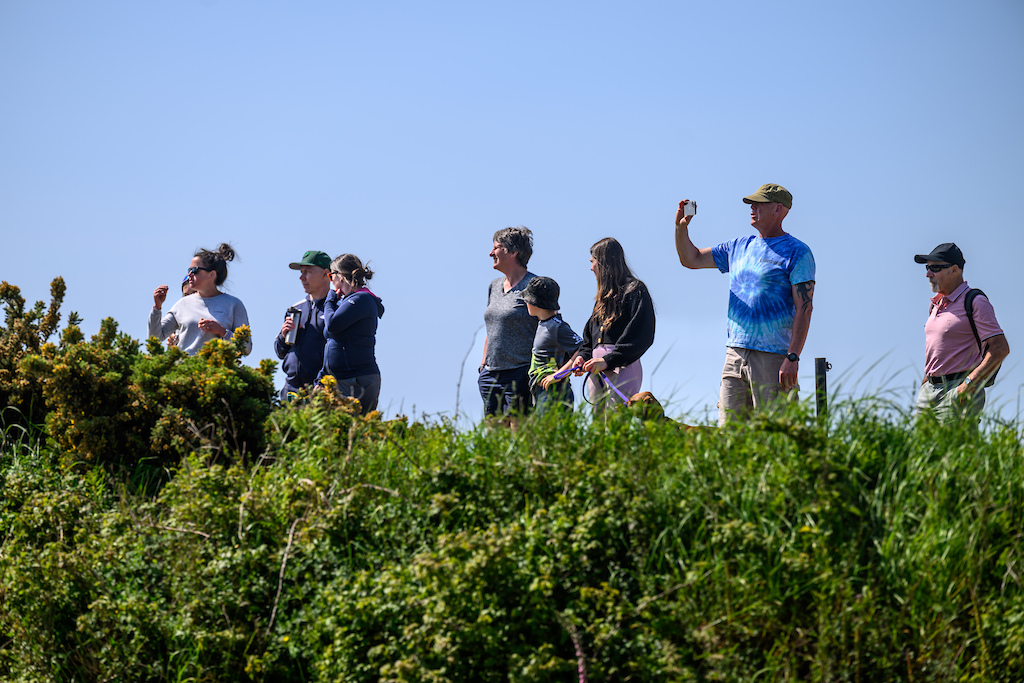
[566,549]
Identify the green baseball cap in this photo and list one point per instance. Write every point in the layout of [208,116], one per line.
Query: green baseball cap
[312,258]
[770,192]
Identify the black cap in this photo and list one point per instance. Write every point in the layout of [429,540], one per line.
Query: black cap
[542,292]
[947,251]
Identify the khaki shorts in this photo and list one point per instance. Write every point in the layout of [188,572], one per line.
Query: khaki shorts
[750,381]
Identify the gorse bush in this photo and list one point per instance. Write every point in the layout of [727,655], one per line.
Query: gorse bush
[356,549]
[108,403]
[24,332]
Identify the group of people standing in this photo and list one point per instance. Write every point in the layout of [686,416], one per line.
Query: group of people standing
[529,350]
[770,303]
[771,293]
[331,331]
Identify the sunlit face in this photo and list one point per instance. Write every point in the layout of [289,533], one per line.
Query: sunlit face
[944,281]
[762,213]
[593,266]
[311,277]
[202,279]
[504,260]
[340,284]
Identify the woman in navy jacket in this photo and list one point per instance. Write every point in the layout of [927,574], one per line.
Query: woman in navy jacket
[350,326]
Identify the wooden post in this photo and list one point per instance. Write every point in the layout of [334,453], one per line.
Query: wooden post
[821,366]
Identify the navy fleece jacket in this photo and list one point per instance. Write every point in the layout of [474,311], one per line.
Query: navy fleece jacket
[350,326]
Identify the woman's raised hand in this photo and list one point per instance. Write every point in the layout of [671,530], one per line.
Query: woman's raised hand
[160,296]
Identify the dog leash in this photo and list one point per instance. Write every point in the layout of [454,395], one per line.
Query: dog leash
[624,398]
[563,373]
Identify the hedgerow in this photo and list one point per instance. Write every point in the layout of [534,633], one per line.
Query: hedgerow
[337,547]
[357,549]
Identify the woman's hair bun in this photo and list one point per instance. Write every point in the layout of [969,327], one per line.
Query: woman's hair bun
[226,251]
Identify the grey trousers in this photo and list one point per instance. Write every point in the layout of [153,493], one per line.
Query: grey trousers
[942,401]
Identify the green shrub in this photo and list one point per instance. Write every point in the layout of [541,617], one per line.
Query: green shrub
[110,404]
[23,333]
[46,580]
[357,549]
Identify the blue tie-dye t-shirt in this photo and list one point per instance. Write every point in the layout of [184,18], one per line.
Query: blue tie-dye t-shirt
[762,273]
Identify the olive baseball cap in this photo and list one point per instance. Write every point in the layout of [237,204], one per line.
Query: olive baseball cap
[770,192]
[947,252]
[542,292]
[312,258]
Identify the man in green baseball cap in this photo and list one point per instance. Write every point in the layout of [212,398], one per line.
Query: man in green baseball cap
[300,343]
[771,287]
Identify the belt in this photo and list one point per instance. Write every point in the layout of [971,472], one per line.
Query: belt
[942,379]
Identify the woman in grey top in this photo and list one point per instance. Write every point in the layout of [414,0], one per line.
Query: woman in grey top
[504,380]
[206,315]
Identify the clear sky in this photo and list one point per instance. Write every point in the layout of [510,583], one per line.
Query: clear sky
[132,133]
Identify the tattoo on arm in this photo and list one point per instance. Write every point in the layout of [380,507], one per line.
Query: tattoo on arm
[806,292]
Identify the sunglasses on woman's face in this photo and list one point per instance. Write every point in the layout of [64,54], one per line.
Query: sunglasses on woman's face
[194,270]
[937,267]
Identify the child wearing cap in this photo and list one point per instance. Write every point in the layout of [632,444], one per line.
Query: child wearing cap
[553,345]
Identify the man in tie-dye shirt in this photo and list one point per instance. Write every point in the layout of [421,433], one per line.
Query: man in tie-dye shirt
[771,288]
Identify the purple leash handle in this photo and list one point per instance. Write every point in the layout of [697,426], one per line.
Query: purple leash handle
[621,395]
[562,373]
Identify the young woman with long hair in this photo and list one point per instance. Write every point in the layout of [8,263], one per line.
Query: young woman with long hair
[620,329]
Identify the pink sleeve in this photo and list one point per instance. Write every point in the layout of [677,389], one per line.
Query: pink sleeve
[985,318]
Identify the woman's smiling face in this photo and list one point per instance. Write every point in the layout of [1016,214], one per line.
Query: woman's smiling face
[504,260]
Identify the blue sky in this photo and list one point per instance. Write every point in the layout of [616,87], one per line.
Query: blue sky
[408,132]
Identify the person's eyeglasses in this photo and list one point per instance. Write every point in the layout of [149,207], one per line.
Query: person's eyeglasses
[195,270]
[938,267]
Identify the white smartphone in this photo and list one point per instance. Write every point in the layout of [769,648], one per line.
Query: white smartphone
[689,208]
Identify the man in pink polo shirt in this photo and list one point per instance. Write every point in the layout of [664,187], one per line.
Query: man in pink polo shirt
[956,361]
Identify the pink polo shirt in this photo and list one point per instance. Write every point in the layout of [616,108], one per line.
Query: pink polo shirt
[949,344]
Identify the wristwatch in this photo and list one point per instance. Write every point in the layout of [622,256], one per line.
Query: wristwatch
[793,357]
[967,380]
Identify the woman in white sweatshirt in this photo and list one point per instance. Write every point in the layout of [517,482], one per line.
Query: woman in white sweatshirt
[208,314]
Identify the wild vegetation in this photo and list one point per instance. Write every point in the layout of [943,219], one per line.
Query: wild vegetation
[333,547]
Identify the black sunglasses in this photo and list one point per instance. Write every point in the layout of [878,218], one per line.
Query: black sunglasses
[938,268]
[195,269]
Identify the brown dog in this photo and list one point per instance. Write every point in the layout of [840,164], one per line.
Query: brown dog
[648,408]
